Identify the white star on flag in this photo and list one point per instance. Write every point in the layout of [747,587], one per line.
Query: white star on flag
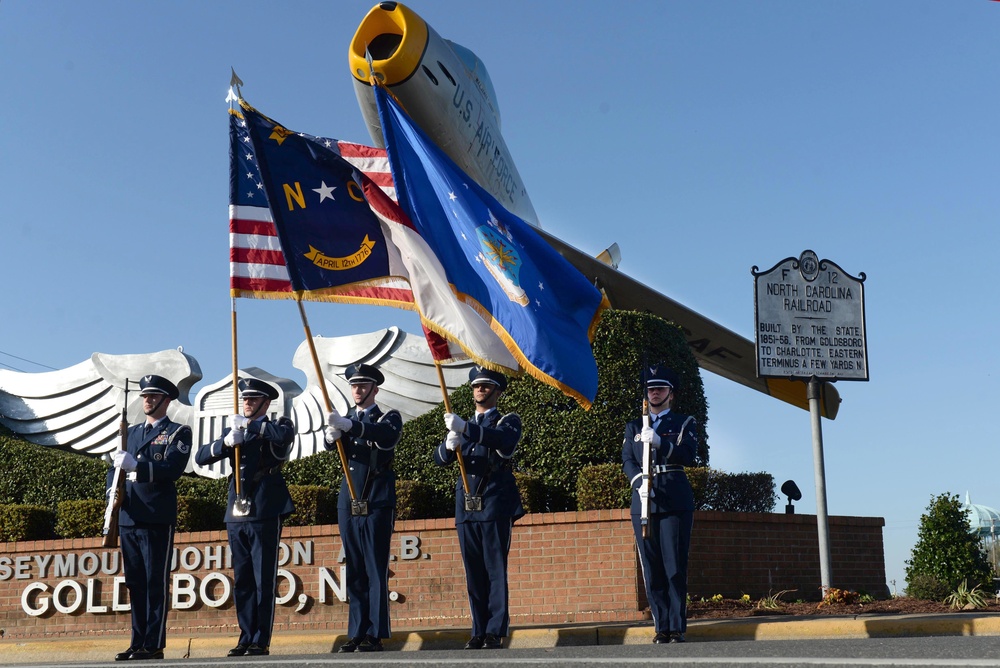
[325,191]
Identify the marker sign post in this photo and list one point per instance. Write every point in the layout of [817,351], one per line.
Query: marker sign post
[810,325]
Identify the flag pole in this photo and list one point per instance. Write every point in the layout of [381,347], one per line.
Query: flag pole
[326,396]
[237,483]
[447,409]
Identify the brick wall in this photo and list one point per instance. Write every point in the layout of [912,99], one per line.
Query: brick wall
[564,567]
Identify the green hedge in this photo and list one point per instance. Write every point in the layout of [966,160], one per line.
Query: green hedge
[732,492]
[40,476]
[80,519]
[26,522]
[604,486]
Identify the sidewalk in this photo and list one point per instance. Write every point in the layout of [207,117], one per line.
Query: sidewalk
[710,630]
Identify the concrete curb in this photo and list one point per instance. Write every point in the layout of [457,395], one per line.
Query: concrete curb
[103,648]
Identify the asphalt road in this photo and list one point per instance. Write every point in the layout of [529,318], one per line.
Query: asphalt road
[926,651]
[955,639]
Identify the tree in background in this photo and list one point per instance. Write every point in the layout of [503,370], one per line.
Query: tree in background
[948,553]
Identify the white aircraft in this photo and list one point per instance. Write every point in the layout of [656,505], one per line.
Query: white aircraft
[447,91]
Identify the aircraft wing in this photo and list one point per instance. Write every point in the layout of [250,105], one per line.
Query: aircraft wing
[446,89]
[716,348]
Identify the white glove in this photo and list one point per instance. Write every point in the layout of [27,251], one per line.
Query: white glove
[648,435]
[238,422]
[234,437]
[452,441]
[125,461]
[332,434]
[454,423]
[337,421]
[643,492]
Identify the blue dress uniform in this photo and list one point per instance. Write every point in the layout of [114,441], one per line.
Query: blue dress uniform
[366,532]
[147,518]
[664,554]
[488,443]
[254,538]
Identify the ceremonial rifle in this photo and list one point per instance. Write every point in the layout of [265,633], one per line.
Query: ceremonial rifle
[117,492]
[644,485]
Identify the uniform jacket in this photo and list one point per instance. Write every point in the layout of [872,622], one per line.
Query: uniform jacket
[670,490]
[266,446]
[161,454]
[370,445]
[488,451]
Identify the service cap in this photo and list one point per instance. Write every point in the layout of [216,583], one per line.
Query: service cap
[480,375]
[363,373]
[254,387]
[660,375]
[153,384]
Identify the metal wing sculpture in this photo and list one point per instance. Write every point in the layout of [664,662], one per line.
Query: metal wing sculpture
[78,409]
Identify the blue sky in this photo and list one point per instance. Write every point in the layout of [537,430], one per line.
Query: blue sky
[704,137]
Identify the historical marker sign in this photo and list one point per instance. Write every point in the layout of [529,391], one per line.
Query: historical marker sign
[810,317]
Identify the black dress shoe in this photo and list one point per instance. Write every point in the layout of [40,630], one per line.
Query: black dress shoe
[492,641]
[257,650]
[370,644]
[350,646]
[126,655]
[239,650]
[661,638]
[475,642]
[144,654]
[677,637]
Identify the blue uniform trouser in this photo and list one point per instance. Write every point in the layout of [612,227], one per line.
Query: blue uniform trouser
[366,550]
[146,550]
[664,557]
[485,547]
[254,548]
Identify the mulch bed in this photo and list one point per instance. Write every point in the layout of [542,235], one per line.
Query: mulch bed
[728,608]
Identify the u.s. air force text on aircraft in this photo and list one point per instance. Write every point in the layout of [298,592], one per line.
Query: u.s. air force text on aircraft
[810,321]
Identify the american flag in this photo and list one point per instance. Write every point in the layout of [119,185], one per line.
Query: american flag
[392,266]
[256,263]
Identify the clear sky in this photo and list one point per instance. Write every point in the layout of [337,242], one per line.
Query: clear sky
[704,137]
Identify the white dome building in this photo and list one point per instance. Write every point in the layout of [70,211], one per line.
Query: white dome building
[983,519]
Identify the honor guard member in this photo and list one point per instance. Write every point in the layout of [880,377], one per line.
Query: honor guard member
[673,441]
[369,437]
[485,516]
[254,520]
[156,455]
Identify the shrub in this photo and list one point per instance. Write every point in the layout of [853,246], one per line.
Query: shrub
[532,491]
[212,490]
[948,552]
[314,504]
[602,486]
[322,468]
[196,513]
[26,522]
[68,476]
[732,492]
[80,519]
[414,500]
